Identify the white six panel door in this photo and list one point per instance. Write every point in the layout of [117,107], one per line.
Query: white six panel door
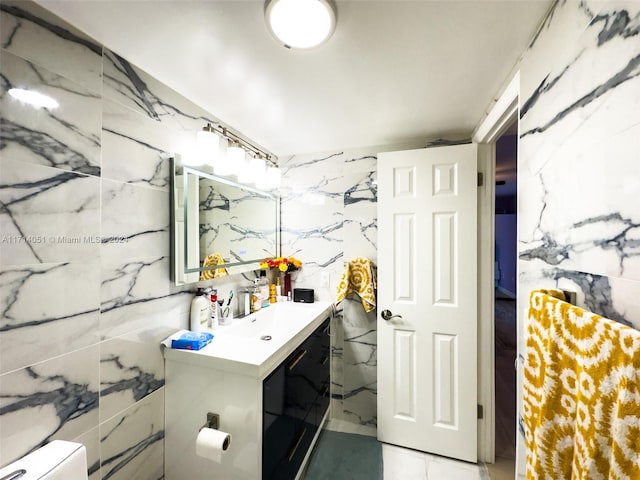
[427,264]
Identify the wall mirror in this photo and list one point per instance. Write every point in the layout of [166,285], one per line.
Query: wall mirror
[219,227]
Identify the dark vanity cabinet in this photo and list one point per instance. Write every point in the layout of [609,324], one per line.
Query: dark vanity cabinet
[295,399]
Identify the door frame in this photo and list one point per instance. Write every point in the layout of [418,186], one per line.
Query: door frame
[491,127]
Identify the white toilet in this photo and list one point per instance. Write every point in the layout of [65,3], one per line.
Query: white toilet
[58,460]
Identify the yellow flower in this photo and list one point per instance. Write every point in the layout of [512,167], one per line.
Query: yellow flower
[283,267]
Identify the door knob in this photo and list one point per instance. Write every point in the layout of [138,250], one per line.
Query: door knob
[387,315]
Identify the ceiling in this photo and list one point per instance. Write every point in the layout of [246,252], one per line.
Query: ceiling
[393,72]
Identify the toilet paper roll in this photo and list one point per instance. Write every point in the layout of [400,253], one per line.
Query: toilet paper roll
[211,443]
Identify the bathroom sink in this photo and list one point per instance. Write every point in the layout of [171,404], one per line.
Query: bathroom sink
[255,344]
[275,321]
[264,322]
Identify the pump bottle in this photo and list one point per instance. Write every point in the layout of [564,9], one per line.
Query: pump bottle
[200,312]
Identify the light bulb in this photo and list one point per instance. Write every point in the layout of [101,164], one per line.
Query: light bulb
[235,157]
[258,169]
[245,174]
[223,166]
[274,177]
[207,143]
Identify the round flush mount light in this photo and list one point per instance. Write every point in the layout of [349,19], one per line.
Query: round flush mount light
[301,23]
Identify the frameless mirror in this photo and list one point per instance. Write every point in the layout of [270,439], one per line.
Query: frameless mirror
[219,226]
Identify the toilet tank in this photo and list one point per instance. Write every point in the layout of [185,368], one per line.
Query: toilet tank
[58,460]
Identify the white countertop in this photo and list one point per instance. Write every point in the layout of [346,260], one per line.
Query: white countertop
[237,348]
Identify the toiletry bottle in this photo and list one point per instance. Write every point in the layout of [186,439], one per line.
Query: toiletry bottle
[272,293]
[200,312]
[215,310]
[222,318]
[246,296]
[278,287]
[256,301]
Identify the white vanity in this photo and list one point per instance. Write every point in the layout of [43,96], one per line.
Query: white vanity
[267,376]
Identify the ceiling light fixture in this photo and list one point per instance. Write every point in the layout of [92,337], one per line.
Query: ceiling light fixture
[301,23]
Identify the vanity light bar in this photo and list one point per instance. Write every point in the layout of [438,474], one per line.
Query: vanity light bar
[232,137]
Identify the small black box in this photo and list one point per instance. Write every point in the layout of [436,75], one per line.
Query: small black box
[303,295]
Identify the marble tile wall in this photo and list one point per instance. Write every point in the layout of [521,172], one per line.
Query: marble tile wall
[578,172]
[329,216]
[84,247]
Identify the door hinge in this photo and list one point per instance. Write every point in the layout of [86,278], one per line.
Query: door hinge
[480,179]
[480,411]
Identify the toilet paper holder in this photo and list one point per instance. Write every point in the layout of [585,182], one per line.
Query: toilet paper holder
[213,421]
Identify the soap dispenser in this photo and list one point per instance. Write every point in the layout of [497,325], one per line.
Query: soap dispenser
[200,312]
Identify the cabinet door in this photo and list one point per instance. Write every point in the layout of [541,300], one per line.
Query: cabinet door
[278,428]
[295,399]
[301,372]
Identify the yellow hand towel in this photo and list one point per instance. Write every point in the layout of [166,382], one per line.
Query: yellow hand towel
[358,278]
[210,261]
[581,405]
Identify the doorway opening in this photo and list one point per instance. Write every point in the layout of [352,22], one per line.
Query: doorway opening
[505,281]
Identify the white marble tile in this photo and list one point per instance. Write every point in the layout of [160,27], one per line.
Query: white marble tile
[63,317]
[136,294]
[360,407]
[356,318]
[49,215]
[337,365]
[403,464]
[135,221]
[135,149]
[130,86]
[324,170]
[31,32]
[360,217]
[441,468]
[132,442]
[598,234]
[56,399]
[365,161]
[131,367]
[312,199]
[66,137]
[360,376]
[360,353]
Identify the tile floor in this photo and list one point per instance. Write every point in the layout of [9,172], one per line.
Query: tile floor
[405,464]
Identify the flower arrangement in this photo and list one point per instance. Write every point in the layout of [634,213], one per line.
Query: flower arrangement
[283,264]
